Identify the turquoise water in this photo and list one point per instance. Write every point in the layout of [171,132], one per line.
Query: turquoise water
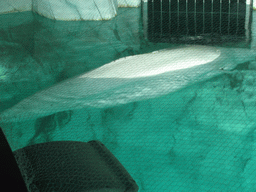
[201,138]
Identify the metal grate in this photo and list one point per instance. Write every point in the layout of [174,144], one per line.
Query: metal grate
[204,21]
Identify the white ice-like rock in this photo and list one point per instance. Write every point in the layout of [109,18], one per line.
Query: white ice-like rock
[64,9]
[76,9]
[7,6]
[69,9]
[129,3]
[131,79]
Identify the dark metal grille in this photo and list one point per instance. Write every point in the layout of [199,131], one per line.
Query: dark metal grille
[198,20]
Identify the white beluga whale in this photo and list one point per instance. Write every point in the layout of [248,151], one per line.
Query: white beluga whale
[131,79]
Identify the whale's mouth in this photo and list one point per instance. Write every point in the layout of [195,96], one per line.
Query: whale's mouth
[156,63]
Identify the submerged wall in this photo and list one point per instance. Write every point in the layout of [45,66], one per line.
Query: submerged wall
[69,9]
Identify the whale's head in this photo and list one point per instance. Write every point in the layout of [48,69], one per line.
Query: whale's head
[230,59]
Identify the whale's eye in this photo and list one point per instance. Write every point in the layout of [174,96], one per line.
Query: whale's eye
[222,68]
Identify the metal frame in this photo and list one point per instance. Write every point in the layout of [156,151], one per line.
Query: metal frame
[222,28]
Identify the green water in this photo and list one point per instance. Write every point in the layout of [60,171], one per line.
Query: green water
[198,139]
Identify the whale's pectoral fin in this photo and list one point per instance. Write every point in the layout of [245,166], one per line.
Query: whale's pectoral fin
[62,118]
[44,126]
